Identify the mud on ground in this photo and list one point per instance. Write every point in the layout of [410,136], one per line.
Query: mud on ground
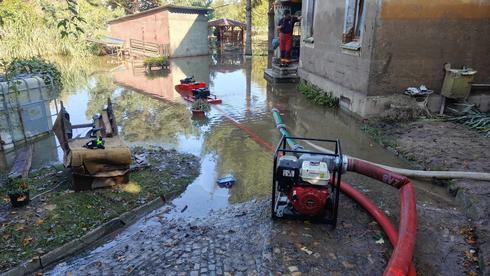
[436,145]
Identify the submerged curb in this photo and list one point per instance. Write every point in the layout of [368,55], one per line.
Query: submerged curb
[40,262]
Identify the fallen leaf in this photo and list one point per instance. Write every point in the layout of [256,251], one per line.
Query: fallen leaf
[346,264]
[306,250]
[39,221]
[50,207]
[26,241]
[380,241]
[19,227]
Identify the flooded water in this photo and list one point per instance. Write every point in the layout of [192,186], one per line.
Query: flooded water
[150,111]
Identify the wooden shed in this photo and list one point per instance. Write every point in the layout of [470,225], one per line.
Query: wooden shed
[169,30]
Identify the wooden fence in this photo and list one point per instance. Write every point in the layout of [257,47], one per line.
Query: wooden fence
[148,49]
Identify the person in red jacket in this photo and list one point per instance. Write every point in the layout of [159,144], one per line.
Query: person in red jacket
[285,28]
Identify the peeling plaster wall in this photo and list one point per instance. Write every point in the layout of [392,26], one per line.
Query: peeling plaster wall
[326,59]
[404,43]
[414,38]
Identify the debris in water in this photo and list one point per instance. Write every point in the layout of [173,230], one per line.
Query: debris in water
[227,181]
[183,209]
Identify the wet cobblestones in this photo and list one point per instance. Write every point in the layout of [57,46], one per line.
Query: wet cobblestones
[243,240]
[239,240]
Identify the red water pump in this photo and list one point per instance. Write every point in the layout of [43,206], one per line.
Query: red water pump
[310,201]
[305,183]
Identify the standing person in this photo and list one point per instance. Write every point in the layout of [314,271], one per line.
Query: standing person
[285,28]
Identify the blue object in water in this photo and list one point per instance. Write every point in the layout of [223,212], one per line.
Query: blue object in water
[275,43]
[226,181]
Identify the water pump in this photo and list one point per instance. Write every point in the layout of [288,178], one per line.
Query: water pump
[306,184]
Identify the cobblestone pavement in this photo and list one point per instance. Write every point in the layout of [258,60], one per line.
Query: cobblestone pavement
[238,240]
[242,240]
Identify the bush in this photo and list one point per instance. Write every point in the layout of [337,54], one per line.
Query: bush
[318,96]
[18,186]
[36,66]
[161,61]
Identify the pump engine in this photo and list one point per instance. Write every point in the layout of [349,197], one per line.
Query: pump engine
[305,184]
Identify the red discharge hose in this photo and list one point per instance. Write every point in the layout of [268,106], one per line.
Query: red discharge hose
[401,258]
[378,215]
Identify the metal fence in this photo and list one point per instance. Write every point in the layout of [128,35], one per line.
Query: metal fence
[28,107]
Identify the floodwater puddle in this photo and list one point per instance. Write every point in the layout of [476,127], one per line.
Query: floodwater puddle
[149,111]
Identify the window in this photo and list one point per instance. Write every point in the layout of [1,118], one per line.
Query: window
[354,20]
[310,20]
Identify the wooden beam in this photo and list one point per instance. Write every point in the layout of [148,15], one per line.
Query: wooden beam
[22,163]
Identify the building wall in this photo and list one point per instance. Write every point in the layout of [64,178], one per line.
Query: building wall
[414,38]
[324,62]
[188,35]
[404,43]
[151,27]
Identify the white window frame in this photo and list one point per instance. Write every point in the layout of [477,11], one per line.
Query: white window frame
[309,19]
[357,24]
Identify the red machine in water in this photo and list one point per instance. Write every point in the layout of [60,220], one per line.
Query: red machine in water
[306,184]
[203,94]
[188,84]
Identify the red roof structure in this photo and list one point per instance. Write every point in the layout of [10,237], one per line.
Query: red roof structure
[225,22]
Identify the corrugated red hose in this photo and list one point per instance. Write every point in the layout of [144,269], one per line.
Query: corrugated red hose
[401,259]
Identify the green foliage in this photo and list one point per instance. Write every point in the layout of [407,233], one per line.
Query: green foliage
[18,186]
[235,9]
[37,66]
[202,105]
[51,27]
[161,61]
[473,118]
[318,96]
[133,6]
[71,25]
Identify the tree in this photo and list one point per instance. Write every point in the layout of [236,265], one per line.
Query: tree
[271,26]
[133,6]
[248,15]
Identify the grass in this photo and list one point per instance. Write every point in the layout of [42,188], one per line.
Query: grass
[379,137]
[318,96]
[473,118]
[62,215]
